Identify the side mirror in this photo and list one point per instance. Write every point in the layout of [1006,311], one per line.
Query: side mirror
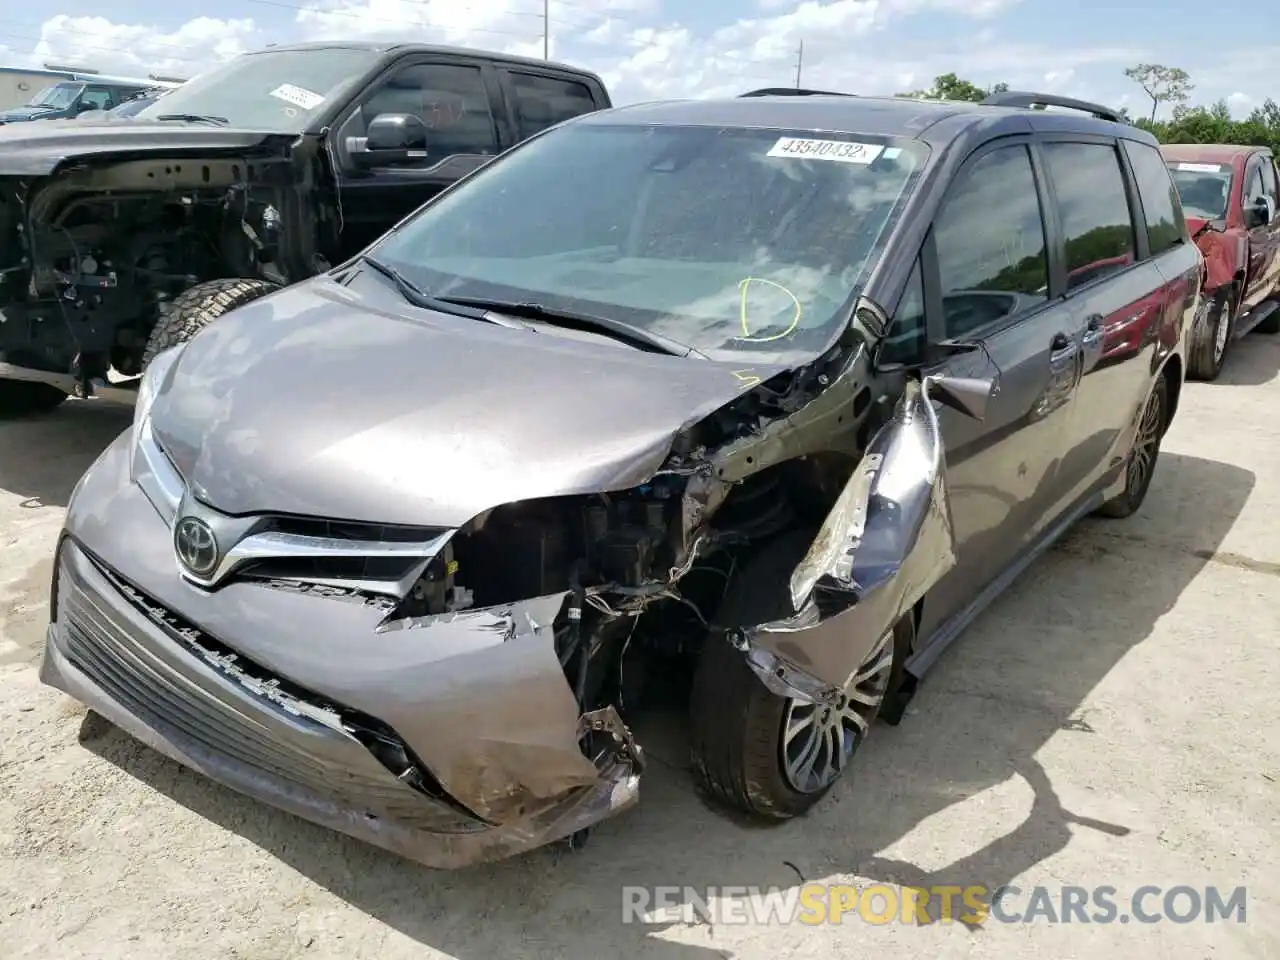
[396,131]
[967,395]
[1261,213]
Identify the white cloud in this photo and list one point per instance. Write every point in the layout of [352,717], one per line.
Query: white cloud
[1240,104]
[138,48]
[1056,80]
[645,51]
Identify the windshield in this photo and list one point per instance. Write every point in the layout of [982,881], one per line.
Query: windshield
[1203,188]
[277,90]
[730,241]
[58,96]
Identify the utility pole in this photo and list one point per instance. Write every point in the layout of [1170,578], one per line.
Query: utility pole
[546,29]
[799,64]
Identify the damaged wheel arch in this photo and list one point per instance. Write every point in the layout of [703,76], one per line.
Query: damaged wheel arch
[887,540]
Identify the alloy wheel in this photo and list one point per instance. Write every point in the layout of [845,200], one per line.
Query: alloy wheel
[1222,331]
[1146,445]
[819,740]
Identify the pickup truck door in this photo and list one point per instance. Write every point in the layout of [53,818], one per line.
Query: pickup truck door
[1270,278]
[1262,237]
[458,99]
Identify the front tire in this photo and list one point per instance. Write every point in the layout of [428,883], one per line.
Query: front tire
[1140,466]
[771,756]
[26,398]
[196,308]
[1213,336]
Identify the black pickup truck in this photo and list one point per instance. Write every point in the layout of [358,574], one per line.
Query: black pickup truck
[121,237]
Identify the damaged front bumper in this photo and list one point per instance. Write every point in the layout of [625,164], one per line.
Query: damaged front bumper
[477,701]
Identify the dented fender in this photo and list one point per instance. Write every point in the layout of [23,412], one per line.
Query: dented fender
[886,541]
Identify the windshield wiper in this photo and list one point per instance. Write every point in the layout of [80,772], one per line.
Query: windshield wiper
[636,336]
[195,118]
[415,295]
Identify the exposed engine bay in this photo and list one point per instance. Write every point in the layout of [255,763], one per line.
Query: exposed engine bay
[93,255]
[640,576]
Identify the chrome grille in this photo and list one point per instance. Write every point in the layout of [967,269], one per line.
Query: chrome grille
[170,703]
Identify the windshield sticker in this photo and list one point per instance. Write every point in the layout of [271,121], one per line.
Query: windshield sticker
[298,96]
[841,151]
[744,311]
[1201,167]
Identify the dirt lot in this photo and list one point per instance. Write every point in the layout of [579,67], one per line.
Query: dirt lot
[1111,721]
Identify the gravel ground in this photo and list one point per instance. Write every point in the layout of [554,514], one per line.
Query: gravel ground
[1110,721]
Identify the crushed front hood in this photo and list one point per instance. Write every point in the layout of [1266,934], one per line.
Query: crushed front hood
[38,149]
[323,401]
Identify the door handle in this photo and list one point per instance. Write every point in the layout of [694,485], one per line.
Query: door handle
[1092,329]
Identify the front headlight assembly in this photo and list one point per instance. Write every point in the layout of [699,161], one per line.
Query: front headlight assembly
[149,467]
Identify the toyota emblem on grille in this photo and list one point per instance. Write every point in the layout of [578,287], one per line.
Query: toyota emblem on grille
[196,546]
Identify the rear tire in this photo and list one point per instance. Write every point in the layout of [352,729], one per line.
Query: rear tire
[1140,465]
[196,308]
[1205,362]
[738,743]
[25,398]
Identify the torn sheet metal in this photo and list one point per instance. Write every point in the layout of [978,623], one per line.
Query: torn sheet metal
[500,733]
[887,540]
[821,424]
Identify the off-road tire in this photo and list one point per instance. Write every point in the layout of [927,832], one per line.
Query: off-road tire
[1135,490]
[735,721]
[196,308]
[25,398]
[1201,364]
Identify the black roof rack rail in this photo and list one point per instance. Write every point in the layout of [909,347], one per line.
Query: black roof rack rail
[1023,98]
[792,92]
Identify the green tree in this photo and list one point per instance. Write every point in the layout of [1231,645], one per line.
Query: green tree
[1162,84]
[1214,124]
[950,87]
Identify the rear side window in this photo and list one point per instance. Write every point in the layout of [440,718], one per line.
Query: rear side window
[1094,209]
[990,241]
[543,102]
[1161,207]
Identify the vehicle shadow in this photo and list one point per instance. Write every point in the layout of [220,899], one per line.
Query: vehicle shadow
[1251,361]
[42,458]
[1018,678]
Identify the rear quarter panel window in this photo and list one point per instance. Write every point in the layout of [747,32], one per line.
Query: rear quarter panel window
[1093,207]
[1161,206]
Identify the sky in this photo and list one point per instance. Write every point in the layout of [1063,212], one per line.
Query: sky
[651,49]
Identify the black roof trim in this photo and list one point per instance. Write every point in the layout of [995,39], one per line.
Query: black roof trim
[387,47]
[792,92]
[1026,99]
